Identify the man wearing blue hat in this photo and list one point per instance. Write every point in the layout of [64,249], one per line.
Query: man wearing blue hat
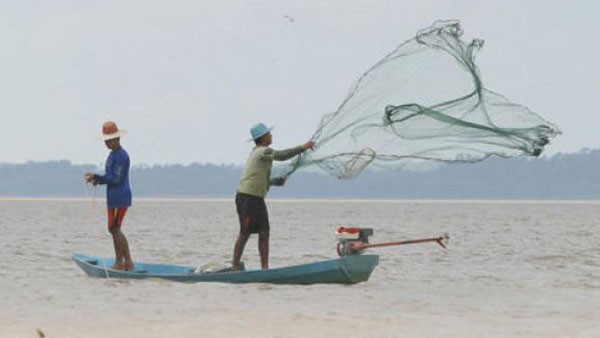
[254,185]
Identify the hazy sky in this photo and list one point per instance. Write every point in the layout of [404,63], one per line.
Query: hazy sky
[187,79]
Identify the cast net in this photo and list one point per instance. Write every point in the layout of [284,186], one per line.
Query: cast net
[423,102]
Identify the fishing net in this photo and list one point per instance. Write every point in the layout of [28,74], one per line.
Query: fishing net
[423,102]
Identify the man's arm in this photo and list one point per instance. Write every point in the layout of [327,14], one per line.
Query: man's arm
[115,176]
[115,173]
[286,154]
[278,181]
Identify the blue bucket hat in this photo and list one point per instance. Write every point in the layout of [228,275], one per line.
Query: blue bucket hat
[259,130]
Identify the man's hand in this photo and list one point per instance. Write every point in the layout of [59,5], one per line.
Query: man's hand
[309,145]
[90,178]
[278,181]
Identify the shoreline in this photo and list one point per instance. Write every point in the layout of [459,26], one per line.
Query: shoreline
[296,323]
[307,200]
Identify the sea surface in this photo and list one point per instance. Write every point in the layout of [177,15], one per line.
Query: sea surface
[512,269]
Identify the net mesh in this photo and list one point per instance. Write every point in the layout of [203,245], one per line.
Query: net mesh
[424,101]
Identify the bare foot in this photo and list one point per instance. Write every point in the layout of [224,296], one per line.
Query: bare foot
[129,266]
[117,266]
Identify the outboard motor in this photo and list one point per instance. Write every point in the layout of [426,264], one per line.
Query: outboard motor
[351,240]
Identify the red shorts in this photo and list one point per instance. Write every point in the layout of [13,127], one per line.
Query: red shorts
[115,217]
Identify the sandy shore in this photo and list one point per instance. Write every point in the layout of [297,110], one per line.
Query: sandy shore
[240,324]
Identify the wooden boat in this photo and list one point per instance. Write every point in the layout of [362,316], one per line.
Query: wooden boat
[344,270]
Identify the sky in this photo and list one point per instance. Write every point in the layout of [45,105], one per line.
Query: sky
[187,79]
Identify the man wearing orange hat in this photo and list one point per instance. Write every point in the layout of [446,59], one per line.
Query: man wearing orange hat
[118,193]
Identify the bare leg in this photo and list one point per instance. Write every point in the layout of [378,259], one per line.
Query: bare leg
[263,249]
[127,262]
[114,231]
[240,243]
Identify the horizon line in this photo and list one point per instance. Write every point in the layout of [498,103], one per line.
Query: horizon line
[584,150]
[308,200]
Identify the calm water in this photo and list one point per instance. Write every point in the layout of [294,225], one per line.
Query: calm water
[526,269]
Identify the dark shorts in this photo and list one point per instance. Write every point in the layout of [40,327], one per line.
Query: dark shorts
[252,212]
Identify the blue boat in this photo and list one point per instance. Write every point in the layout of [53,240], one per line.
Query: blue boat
[344,270]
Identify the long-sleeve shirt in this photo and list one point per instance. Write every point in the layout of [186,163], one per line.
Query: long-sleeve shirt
[255,179]
[116,178]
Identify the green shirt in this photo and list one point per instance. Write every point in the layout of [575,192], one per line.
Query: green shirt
[257,172]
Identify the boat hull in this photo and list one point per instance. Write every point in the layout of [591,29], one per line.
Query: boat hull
[344,270]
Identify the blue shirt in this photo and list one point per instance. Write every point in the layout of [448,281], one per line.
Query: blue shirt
[116,178]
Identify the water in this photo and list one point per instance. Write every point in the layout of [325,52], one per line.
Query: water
[512,269]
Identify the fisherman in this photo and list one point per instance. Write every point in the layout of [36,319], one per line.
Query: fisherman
[254,184]
[118,193]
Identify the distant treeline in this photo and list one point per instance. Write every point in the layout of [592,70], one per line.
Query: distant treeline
[563,176]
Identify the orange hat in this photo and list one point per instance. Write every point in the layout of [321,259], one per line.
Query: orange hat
[111,131]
